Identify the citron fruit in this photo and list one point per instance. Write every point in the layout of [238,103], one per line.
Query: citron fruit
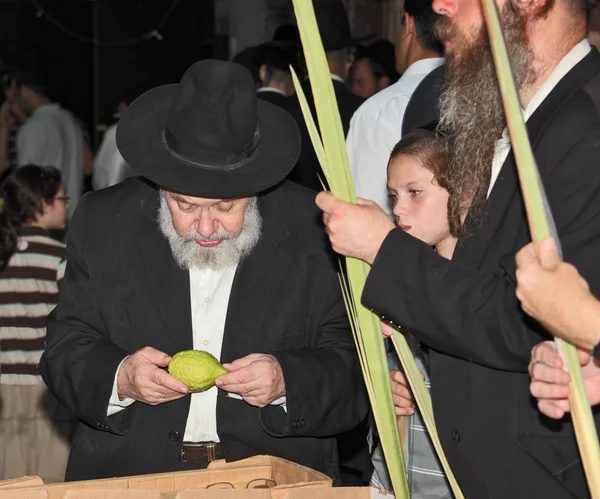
[196,368]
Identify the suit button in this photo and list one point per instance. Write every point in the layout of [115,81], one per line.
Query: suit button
[456,436]
[174,436]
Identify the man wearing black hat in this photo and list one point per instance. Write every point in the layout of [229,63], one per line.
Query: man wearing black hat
[338,42]
[213,251]
[274,63]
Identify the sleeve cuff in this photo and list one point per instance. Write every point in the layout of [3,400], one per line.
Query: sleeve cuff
[281,401]
[115,404]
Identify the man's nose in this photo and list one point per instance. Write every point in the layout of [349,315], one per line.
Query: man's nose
[206,225]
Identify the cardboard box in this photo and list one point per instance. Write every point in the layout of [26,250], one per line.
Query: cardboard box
[285,473]
[21,482]
[23,494]
[290,493]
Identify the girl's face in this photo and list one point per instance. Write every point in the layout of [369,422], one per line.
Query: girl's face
[55,213]
[420,205]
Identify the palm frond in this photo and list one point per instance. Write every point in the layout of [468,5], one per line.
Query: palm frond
[542,224]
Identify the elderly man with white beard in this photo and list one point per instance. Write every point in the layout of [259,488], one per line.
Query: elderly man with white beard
[210,250]
[465,310]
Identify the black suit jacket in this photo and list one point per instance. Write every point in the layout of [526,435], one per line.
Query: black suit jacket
[424,104]
[497,442]
[275,98]
[307,169]
[123,291]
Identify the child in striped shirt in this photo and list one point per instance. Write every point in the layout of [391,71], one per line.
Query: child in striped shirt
[34,427]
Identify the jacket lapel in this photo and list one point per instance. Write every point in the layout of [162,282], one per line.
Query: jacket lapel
[170,284]
[255,285]
[506,187]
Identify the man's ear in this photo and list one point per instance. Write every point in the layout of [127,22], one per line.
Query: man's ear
[409,26]
[262,73]
[531,7]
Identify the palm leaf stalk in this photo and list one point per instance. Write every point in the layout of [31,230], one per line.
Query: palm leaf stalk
[423,400]
[330,148]
[541,224]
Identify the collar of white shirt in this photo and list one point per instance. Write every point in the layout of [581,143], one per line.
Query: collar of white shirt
[568,62]
[423,66]
[270,89]
[337,78]
[333,77]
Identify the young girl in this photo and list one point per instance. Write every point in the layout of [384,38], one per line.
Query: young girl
[417,188]
[33,427]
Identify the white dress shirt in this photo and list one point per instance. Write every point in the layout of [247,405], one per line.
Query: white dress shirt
[209,296]
[568,62]
[209,292]
[109,166]
[52,137]
[376,128]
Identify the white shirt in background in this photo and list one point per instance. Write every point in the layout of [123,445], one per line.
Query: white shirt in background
[376,128]
[109,166]
[52,137]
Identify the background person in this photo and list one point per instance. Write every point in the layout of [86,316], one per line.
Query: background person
[35,430]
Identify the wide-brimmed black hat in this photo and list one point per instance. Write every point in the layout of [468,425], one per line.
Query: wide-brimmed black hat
[275,55]
[334,26]
[209,135]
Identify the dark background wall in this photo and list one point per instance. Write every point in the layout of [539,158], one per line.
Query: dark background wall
[90,78]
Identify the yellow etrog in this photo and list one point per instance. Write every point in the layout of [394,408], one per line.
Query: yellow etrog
[196,368]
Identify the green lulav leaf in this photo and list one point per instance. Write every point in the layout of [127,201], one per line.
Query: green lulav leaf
[542,225]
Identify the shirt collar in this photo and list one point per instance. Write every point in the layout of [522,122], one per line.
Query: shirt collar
[568,62]
[32,230]
[333,77]
[270,89]
[337,78]
[423,66]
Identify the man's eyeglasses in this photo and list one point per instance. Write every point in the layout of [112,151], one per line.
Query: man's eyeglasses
[257,483]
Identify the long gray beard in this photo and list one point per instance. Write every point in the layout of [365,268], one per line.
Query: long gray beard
[472,114]
[188,253]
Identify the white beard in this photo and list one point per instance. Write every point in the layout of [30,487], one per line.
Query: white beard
[188,253]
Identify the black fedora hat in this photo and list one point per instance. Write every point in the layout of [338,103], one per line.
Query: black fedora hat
[334,26]
[275,55]
[209,135]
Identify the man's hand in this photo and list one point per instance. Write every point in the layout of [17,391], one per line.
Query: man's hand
[258,378]
[141,378]
[550,383]
[552,292]
[403,397]
[355,230]
[386,329]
